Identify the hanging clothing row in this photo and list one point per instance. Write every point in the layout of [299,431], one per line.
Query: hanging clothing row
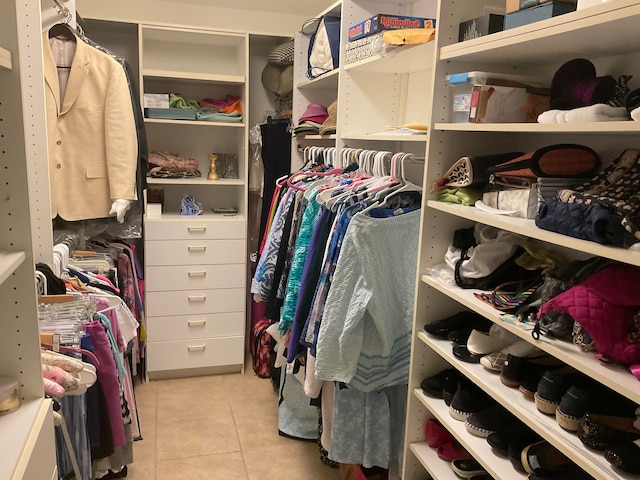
[100,325]
[337,271]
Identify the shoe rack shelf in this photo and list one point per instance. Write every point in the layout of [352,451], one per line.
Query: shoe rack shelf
[611,375]
[497,467]
[539,48]
[513,400]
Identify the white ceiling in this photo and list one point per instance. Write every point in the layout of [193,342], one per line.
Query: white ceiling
[295,7]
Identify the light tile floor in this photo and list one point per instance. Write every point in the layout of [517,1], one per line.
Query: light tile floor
[218,427]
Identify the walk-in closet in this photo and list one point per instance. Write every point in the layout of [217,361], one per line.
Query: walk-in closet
[334,240]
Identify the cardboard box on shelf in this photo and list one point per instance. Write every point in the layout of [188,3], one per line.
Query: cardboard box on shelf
[535,14]
[480,26]
[156,100]
[515,5]
[462,84]
[498,104]
[382,21]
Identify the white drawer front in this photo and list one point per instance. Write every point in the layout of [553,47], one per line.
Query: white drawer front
[186,327]
[195,277]
[195,302]
[194,228]
[206,352]
[195,252]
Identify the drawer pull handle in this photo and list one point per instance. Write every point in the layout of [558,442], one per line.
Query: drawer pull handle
[197,248]
[198,273]
[196,229]
[197,298]
[192,348]
[193,323]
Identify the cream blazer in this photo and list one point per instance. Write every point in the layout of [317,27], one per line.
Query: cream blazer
[93,149]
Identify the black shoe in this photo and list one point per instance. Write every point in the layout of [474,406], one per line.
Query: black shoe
[551,387]
[516,369]
[571,473]
[625,456]
[529,386]
[487,421]
[467,468]
[460,335]
[450,387]
[434,384]
[462,353]
[601,432]
[468,399]
[441,328]
[542,458]
[517,444]
[506,434]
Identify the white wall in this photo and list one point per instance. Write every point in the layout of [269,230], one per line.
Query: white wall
[272,17]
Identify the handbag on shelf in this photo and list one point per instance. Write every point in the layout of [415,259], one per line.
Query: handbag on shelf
[471,171]
[616,188]
[560,160]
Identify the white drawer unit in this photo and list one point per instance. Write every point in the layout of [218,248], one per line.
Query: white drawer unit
[185,327]
[195,353]
[194,228]
[195,252]
[195,302]
[195,277]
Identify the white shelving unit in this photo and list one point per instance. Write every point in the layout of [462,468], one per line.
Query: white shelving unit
[196,323]
[374,93]
[26,435]
[593,33]
[322,90]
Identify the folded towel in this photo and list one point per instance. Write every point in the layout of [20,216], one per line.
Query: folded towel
[593,113]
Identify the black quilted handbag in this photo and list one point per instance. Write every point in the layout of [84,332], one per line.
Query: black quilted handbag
[617,188]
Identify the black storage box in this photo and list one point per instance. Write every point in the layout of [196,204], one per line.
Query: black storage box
[480,26]
[537,13]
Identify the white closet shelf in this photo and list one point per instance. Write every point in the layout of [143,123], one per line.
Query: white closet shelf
[512,399]
[430,461]
[406,59]
[194,181]
[557,39]
[328,80]
[496,466]
[5,59]
[331,137]
[9,262]
[591,128]
[335,9]
[385,137]
[194,76]
[194,122]
[16,433]
[195,36]
[528,228]
[613,376]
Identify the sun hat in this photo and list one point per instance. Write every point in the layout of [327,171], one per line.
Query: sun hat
[330,124]
[575,84]
[314,112]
